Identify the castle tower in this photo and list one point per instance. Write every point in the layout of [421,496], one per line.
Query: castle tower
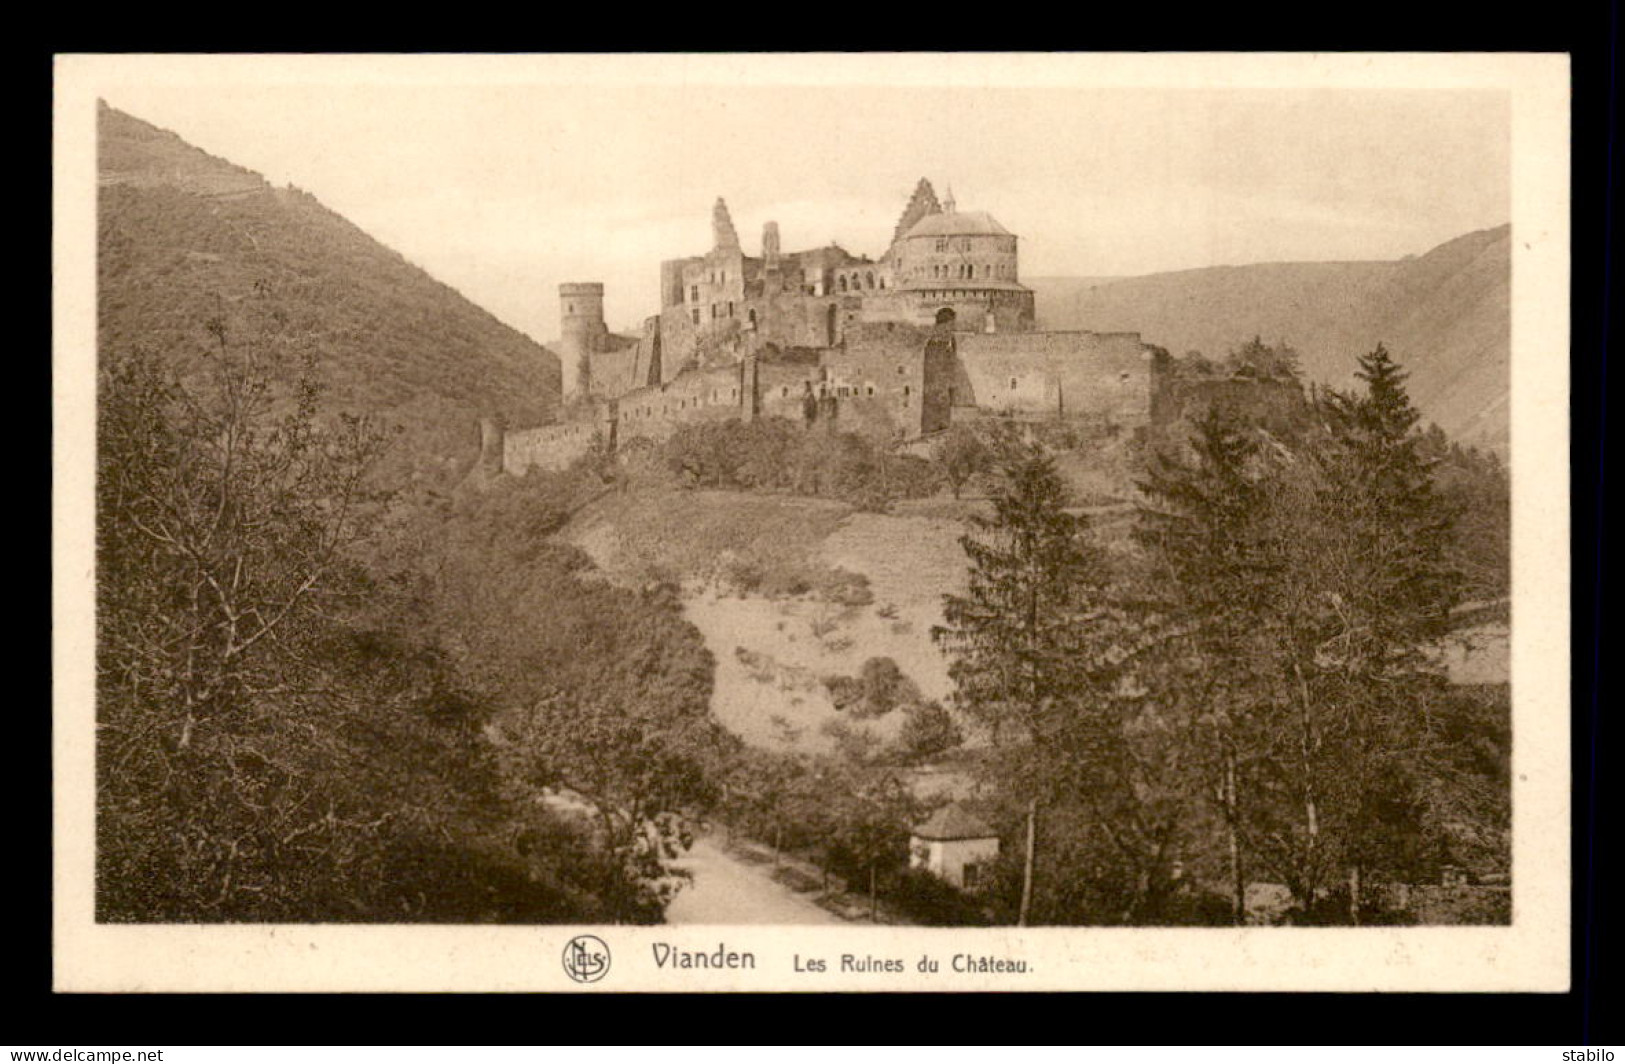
[723,235]
[581,333]
[770,245]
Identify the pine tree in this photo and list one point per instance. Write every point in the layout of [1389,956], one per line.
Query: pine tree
[1375,588]
[1031,663]
[1016,635]
[1379,489]
[1215,557]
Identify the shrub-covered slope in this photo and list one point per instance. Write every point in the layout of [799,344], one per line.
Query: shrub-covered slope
[186,238]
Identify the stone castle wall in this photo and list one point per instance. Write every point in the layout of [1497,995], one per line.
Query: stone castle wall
[938,328]
[549,446]
[1083,375]
[889,381]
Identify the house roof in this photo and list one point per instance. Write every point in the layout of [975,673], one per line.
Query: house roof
[952,822]
[958,223]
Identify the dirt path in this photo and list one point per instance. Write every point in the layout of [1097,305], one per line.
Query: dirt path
[726,890]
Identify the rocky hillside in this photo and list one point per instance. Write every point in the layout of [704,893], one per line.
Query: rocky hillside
[1445,315]
[186,238]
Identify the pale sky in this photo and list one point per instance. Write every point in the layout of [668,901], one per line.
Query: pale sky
[504,191]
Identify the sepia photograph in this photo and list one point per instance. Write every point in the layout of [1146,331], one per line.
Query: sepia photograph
[782,523]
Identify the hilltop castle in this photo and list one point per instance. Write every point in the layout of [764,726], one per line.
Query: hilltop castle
[939,329]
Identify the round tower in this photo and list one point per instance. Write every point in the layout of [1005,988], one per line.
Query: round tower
[581,332]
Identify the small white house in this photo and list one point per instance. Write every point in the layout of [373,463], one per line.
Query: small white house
[955,846]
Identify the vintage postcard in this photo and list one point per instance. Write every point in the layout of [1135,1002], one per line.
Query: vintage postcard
[811,522]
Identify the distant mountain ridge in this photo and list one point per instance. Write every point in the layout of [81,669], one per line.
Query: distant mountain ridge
[1445,315]
[184,236]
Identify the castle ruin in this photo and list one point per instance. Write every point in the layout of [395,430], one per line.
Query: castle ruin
[939,329]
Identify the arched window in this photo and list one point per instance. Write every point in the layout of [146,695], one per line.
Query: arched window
[753,319]
[843,282]
[870,280]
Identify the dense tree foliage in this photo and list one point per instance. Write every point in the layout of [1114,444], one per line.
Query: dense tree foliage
[776,455]
[311,709]
[271,746]
[1255,693]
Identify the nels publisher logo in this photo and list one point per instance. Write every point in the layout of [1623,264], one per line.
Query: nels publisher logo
[586,959]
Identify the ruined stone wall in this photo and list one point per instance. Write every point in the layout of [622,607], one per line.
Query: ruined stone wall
[697,395]
[1079,375]
[783,390]
[550,446]
[877,378]
[613,372]
[886,380]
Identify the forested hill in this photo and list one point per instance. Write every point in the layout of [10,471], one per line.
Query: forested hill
[186,238]
[1445,315]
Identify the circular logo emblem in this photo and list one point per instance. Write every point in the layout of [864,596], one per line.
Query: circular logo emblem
[586,959]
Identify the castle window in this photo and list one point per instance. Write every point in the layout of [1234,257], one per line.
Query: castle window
[843,282]
[696,315]
[569,308]
[784,393]
[1012,384]
[942,245]
[870,389]
[694,293]
[730,308]
[899,371]
[870,278]
[882,282]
